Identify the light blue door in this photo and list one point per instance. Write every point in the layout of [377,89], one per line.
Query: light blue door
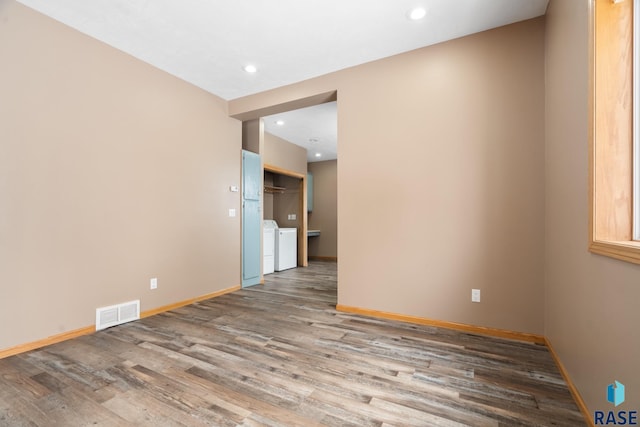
[251,218]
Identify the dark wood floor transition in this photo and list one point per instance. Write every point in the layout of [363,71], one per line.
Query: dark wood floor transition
[280,355]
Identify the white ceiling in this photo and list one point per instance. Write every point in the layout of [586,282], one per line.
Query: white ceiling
[208,42]
[314,128]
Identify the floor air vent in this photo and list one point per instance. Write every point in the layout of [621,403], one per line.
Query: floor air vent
[117,314]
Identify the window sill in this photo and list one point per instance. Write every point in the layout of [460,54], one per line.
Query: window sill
[623,250]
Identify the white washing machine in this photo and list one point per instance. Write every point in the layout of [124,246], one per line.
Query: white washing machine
[286,255]
[269,228]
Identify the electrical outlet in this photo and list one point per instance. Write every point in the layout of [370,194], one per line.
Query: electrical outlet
[475,295]
[153,283]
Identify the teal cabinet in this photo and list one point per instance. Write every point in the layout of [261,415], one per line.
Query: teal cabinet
[309,192]
[251,218]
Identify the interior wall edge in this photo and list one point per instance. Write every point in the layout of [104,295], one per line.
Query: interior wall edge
[88,330]
[54,339]
[577,397]
[482,330]
[245,108]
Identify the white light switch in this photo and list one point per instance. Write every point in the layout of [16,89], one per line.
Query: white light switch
[153,283]
[232,213]
[475,295]
[233,188]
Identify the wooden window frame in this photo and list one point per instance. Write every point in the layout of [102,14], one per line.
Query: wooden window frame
[611,130]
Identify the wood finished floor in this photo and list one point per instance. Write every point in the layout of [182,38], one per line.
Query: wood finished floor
[280,355]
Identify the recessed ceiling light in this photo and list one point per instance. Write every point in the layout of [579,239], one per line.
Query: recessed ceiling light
[318,155]
[417,13]
[250,68]
[280,122]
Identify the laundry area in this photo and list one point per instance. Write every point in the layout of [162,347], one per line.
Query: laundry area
[280,247]
[281,222]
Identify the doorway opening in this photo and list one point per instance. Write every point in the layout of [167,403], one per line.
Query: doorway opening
[313,133]
[295,187]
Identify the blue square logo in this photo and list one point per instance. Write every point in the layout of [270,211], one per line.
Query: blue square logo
[615,393]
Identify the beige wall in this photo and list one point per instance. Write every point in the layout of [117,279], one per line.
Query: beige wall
[290,157]
[591,302]
[325,210]
[287,203]
[111,172]
[441,178]
[267,210]
[285,155]
[279,205]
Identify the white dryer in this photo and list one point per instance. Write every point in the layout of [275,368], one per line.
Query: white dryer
[269,228]
[286,248]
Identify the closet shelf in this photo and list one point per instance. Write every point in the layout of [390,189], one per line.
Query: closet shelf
[271,189]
